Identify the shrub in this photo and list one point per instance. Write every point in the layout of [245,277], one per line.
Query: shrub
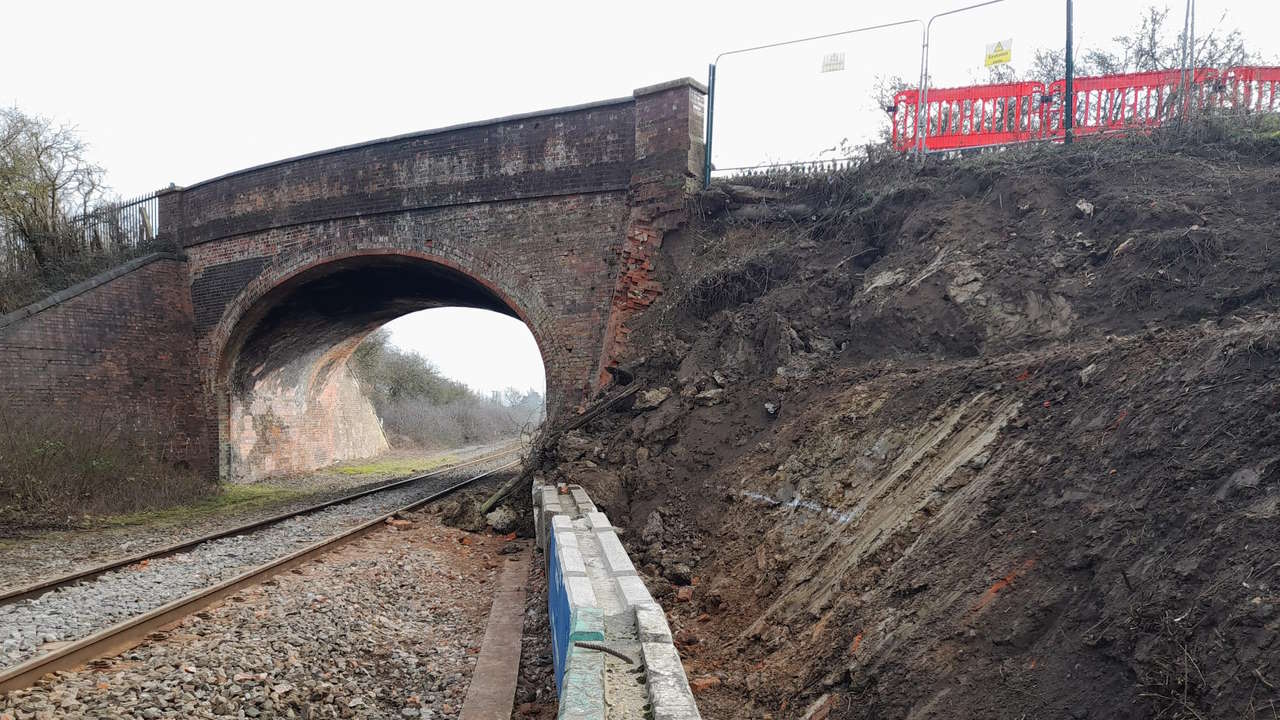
[53,473]
[420,407]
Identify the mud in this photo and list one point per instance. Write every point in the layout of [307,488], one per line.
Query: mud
[999,438]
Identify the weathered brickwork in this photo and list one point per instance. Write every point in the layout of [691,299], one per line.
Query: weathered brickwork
[217,285]
[559,285]
[565,152]
[551,217]
[120,350]
[284,426]
[668,157]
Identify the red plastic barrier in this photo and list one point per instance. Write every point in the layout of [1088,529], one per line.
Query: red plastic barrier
[1252,89]
[968,117]
[904,120]
[1131,101]
[985,115]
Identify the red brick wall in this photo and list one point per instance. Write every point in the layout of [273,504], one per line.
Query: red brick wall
[286,426]
[534,207]
[121,348]
[667,168]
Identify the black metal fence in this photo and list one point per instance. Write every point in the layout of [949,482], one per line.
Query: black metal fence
[120,225]
[107,229]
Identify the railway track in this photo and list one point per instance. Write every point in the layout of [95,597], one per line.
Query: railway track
[130,632]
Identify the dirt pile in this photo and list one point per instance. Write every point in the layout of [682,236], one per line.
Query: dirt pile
[996,438]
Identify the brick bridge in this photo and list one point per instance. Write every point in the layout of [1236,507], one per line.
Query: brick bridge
[232,353]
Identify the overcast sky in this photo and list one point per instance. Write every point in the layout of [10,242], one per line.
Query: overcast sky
[181,92]
[484,349]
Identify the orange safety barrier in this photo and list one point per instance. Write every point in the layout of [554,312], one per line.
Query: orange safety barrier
[1108,103]
[1010,113]
[968,117]
[1252,89]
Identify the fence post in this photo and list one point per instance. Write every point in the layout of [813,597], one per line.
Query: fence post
[711,124]
[1069,99]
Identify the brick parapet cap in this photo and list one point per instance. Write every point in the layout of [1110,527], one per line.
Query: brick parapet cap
[565,110]
[660,87]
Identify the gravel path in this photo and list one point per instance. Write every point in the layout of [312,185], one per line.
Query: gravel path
[29,560]
[73,612]
[386,627]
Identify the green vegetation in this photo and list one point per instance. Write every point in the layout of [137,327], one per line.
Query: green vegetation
[54,474]
[228,499]
[419,407]
[394,466]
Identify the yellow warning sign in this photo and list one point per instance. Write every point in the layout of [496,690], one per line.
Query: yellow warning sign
[999,53]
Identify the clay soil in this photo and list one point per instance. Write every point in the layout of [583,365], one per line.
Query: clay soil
[998,438]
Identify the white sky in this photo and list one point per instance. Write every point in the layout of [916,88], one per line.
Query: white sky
[181,92]
[484,349]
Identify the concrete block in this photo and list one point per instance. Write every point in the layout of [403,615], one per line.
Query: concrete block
[587,624]
[633,592]
[562,523]
[669,692]
[598,521]
[616,560]
[550,500]
[582,499]
[550,511]
[582,690]
[569,556]
[651,624]
[580,593]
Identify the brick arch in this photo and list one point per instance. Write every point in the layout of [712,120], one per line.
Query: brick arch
[265,426]
[558,214]
[241,310]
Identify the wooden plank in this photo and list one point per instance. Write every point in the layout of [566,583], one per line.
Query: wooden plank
[492,693]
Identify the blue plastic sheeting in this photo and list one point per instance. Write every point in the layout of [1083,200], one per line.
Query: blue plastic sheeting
[559,611]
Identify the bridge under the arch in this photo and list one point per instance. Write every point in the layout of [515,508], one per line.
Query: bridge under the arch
[236,348]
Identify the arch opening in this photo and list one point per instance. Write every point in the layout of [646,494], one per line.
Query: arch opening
[289,399]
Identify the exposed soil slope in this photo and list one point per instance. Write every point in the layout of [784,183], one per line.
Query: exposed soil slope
[1023,458]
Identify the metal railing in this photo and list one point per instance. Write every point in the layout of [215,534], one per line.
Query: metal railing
[109,228]
[926,28]
[119,225]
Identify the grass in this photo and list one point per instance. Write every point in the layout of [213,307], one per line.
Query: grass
[228,499]
[393,466]
[233,498]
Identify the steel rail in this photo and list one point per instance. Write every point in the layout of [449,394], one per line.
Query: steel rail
[45,586]
[132,632]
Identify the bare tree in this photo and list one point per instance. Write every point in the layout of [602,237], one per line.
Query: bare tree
[45,181]
[1154,44]
[883,90]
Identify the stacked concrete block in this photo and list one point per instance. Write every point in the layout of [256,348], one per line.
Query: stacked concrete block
[668,688]
[566,519]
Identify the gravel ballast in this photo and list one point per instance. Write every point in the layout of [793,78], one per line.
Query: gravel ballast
[386,627]
[28,560]
[75,611]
